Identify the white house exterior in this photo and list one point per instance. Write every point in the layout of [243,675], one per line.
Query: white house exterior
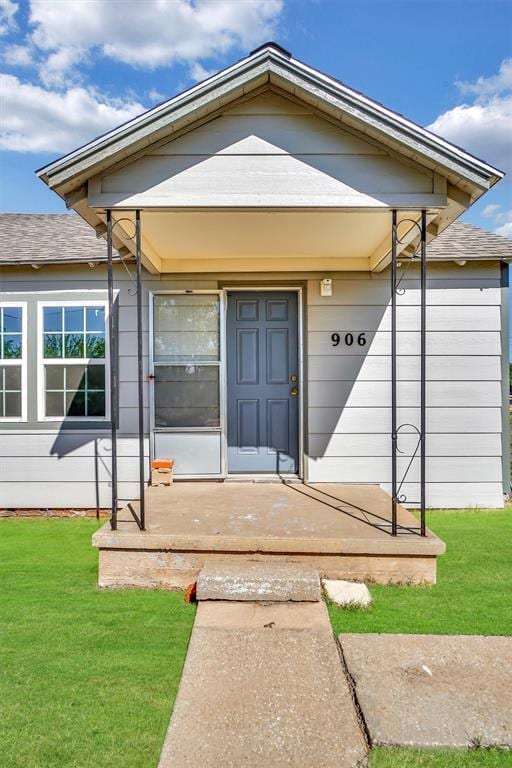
[265,197]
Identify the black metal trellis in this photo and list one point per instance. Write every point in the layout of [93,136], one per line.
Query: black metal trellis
[114,371]
[396,485]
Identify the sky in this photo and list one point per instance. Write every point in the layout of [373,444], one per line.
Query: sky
[72,69]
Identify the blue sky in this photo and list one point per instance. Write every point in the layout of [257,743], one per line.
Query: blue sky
[72,69]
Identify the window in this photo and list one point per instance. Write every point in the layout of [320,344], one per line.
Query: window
[13,389]
[73,360]
[186,356]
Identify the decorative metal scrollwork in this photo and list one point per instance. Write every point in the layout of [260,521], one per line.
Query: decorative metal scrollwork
[410,259]
[402,498]
[123,235]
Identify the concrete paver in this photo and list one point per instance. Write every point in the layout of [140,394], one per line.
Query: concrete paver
[347,592]
[432,690]
[258,582]
[263,686]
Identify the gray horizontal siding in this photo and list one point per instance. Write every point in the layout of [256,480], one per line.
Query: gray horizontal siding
[348,388]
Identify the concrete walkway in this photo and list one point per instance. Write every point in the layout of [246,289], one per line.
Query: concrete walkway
[263,686]
[433,690]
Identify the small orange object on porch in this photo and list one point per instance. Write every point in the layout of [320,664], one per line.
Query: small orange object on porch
[162,471]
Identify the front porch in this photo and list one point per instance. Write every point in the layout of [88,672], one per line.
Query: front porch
[342,530]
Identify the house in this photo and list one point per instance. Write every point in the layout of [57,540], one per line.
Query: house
[266,277]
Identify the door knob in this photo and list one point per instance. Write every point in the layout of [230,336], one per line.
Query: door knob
[294,392]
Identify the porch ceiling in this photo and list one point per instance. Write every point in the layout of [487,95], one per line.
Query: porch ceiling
[184,241]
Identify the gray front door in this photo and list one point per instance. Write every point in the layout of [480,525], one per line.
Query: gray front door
[262,381]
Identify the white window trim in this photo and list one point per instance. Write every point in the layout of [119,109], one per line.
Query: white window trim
[19,362]
[42,361]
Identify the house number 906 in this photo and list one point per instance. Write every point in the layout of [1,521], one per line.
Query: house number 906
[348,339]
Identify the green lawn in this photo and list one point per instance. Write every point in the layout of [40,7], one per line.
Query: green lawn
[472,596]
[87,677]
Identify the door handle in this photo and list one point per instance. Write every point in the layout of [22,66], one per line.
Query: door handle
[294,392]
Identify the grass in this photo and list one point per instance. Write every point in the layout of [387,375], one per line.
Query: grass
[472,596]
[443,758]
[87,677]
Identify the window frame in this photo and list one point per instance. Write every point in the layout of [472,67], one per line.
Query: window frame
[220,363]
[19,362]
[42,361]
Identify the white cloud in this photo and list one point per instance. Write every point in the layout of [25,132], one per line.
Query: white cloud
[18,55]
[150,34]
[483,126]
[484,87]
[155,96]
[198,72]
[8,10]
[490,210]
[505,230]
[482,129]
[39,120]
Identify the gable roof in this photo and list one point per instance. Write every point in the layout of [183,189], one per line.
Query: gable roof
[270,66]
[50,238]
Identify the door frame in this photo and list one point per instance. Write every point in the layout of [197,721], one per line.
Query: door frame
[262,288]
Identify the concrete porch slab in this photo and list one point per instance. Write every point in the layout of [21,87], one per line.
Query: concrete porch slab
[258,582]
[341,530]
[432,690]
[263,686]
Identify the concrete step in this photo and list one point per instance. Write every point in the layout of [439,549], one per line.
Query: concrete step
[263,687]
[259,582]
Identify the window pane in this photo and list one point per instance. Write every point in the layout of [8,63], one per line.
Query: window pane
[73,318]
[67,390]
[75,377]
[52,345]
[95,345]
[10,392]
[73,345]
[96,403]
[187,396]
[186,328]
[95,319]
[54,404]
[12,405]
[52,319]
[11,321]
[12,346]
[96,377]
[12,375]
[54,376]
[75,403]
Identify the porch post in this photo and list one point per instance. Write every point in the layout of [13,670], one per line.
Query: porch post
[140,366]
[394,435]
[423,371]
[113,372]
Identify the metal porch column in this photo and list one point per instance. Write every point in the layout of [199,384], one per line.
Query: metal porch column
[396,485]
[140,371]
[113,372]
[423,372]
[394,434]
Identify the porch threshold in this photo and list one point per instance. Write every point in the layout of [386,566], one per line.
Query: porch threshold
[343,530]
